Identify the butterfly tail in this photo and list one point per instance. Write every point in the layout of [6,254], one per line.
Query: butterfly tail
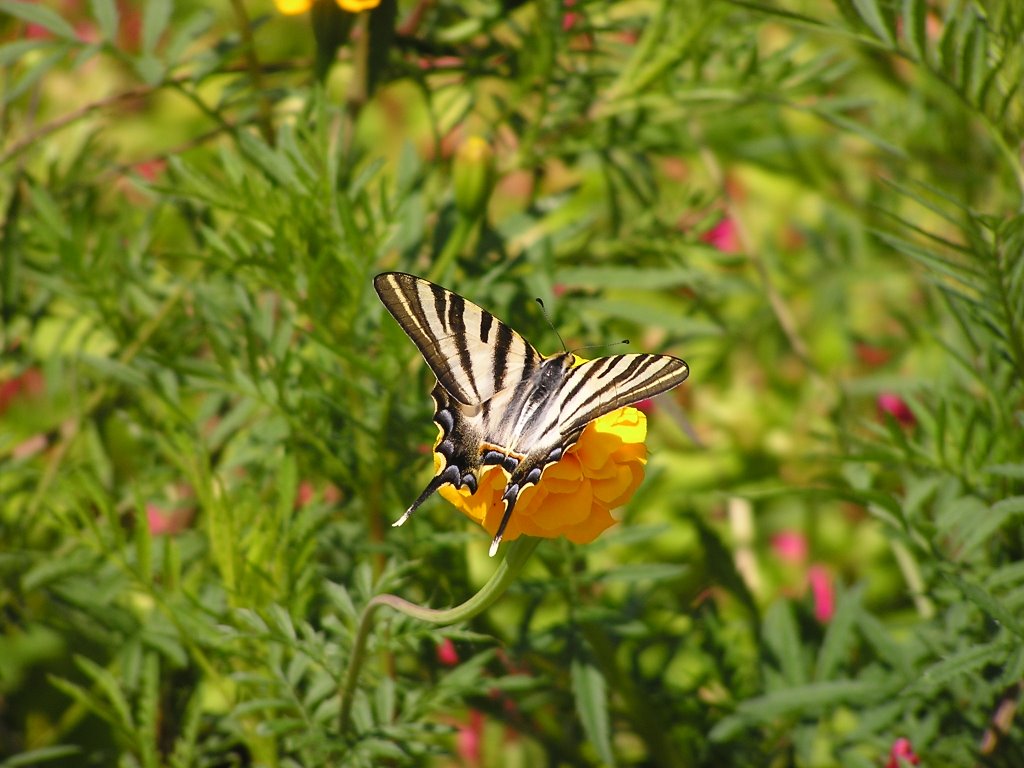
[509,497]
[449,475]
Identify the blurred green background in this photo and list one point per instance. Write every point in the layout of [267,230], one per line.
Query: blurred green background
[208,422]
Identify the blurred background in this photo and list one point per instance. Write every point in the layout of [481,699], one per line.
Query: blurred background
[208,421]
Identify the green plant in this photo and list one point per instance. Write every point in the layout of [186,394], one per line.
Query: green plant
[207,426]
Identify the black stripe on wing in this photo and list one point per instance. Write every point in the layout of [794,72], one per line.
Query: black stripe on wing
[597,387]
[471,352]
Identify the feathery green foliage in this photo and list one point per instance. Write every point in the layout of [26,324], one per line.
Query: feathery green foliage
[207,422]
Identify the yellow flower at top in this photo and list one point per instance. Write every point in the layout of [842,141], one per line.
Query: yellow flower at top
[575,496]
[292,7]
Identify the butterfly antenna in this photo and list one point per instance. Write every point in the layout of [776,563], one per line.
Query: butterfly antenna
[544,311]
[601,346]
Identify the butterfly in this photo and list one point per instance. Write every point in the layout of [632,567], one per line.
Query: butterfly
[497,400]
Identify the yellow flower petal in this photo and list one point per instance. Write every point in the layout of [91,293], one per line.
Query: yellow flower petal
[355,6]
[576,495]
[292,7]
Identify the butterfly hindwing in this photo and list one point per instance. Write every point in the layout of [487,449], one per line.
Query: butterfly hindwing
[497,400]
[586,392]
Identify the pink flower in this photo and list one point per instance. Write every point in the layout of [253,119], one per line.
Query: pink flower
[569,18]
[896,406]
[902,754]
[164,522]
[645,406]
[27,384]
[823,593]
[446,653]
[304,494]
[871,355]
[790,546]
[150,170]
[724,237]
[467,742]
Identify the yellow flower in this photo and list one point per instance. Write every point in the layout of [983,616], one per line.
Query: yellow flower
[355,6]
[575,496]
[292,7]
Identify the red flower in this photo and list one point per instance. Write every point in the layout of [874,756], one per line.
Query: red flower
[823,593]
[724,237]
[790,546]
[28,384]
[902,754]
[164,522]
[446,653]
[569,18]
[467,742]
[896,406]
[871,355]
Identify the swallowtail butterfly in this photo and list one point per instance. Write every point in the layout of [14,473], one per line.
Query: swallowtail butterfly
[497,399]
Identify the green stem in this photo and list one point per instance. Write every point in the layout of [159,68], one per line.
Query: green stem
[518,553]
[453,247]
[266,114]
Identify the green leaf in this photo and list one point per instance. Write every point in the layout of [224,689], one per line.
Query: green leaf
[813,699]
[106,14]
[155,15]
[840,636]
[966,663]
[782,637]
[1014,471]
[34,757]
[984,525]
[149,68]
[643,572]
[33,75]
[873,15]
[185,33]
[589,690]
[988,603]
[37,13]
[915,13]
[11,52]
[110,686]
[973,64]
[634,277]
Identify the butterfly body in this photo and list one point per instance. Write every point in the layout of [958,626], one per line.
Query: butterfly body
[500,402]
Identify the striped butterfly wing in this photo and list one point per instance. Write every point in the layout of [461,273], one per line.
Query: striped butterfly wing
[471,352]
[475,357]
[584,393]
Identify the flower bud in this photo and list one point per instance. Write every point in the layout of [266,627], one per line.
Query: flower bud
[473,176]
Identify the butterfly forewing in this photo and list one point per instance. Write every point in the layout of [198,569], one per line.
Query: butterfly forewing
[497,400]
[597,387]
[471,352]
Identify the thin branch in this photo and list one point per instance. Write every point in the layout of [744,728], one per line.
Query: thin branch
[266,118]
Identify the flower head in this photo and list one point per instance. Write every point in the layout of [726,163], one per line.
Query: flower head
[902,754]
[292,7]
[575,496]
[724,236]
[823,592]
[893,405]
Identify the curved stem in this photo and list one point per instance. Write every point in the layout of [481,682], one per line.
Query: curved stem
[518,553]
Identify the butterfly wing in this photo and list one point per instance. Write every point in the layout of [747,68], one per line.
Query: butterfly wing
[480,363]
[585,393]
[471,352]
